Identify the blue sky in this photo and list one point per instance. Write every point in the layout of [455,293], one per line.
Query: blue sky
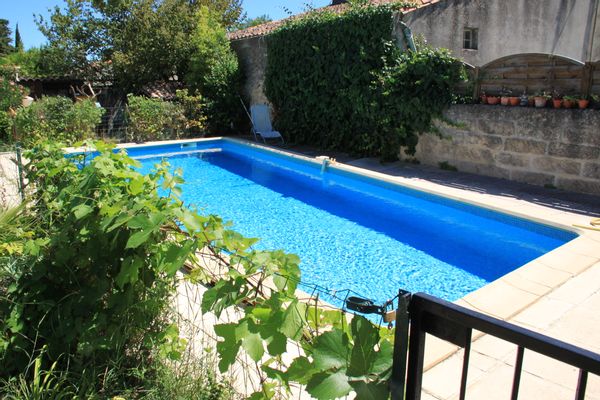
[22,11]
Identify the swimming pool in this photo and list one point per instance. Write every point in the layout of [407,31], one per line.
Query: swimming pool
[352,231]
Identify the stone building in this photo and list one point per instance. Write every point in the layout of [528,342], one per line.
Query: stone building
[477,31]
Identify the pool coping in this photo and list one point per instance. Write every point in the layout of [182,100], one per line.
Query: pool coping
[508,295]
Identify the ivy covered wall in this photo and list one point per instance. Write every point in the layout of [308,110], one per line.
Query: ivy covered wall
[339,81]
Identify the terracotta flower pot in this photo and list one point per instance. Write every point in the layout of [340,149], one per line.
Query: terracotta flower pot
[583,103]
[504,100]
[556,103]
[493,100]
[568,103]
[540,101]
[514,101]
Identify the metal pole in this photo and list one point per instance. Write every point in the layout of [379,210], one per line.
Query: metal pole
[398,379]
[20,170]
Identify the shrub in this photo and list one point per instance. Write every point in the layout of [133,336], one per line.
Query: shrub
[95,291]
[214,73]
[57,118]
[194,112]
[154,119]
[11,96]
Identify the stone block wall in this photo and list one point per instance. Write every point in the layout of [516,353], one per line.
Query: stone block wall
[538,146]
[252,54]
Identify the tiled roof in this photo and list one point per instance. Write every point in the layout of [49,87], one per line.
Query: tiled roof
[268,27]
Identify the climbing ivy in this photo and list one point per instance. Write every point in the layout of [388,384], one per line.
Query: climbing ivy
[339,81]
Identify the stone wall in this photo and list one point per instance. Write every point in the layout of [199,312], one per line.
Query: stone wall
[569,28]
[538,146]
[252,54]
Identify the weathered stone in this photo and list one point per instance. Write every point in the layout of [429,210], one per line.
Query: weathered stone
[582,136]
[537,128]
[488,141]
[503,128]
[591,170]
[573,151]
[556,165]
[579,185]
[535,178]
[513,160]
[483,169]
[525,146]
[474,154]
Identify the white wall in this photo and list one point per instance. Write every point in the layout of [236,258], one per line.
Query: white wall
[506,27]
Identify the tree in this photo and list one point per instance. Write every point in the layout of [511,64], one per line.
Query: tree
[250,22]
[18,41]
[5,39]
[214,71]
[136,41]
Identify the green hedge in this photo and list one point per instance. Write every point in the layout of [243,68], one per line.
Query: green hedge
[339,81]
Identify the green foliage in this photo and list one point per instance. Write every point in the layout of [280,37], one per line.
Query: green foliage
[95,292]
[145,40]
[57,118]
[154,119]
[354,90]
[193,110]
[5,39]
[214,72]
[18,40]
[11,96]
[30,62]
[102,261]
[250,22]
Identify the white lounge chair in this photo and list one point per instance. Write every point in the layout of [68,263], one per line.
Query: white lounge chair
[261,123]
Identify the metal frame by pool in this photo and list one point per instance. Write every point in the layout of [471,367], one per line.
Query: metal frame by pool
[509,294]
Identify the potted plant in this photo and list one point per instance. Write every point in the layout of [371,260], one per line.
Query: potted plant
[483,98]
[556,100]
[583,102]
[596,101]
[504,97]
[493,100]
[514,101]
[569,101]
[541,99]
[524,100]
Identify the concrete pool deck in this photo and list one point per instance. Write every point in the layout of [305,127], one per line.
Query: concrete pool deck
[557,294]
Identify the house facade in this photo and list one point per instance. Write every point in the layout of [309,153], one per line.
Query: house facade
[476,31]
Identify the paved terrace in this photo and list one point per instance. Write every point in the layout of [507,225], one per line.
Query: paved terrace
[561,299]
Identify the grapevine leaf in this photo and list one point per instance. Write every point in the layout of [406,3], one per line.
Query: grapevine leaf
[81,211]
[365,336]
[300,370]
[293,320]
[331,350]
[229,347]
[328,386]
[371,390]
[253,344]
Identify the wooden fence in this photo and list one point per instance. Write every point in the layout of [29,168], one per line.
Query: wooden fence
[533,73]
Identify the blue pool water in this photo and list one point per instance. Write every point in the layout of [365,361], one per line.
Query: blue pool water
[353,232]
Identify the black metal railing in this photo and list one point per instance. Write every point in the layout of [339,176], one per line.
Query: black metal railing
[455,324]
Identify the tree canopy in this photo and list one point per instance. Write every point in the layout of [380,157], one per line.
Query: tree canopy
[134,41]
[5,38]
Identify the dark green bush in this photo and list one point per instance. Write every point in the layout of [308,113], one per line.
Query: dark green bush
[339,81]
[57,118]
[154,119]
